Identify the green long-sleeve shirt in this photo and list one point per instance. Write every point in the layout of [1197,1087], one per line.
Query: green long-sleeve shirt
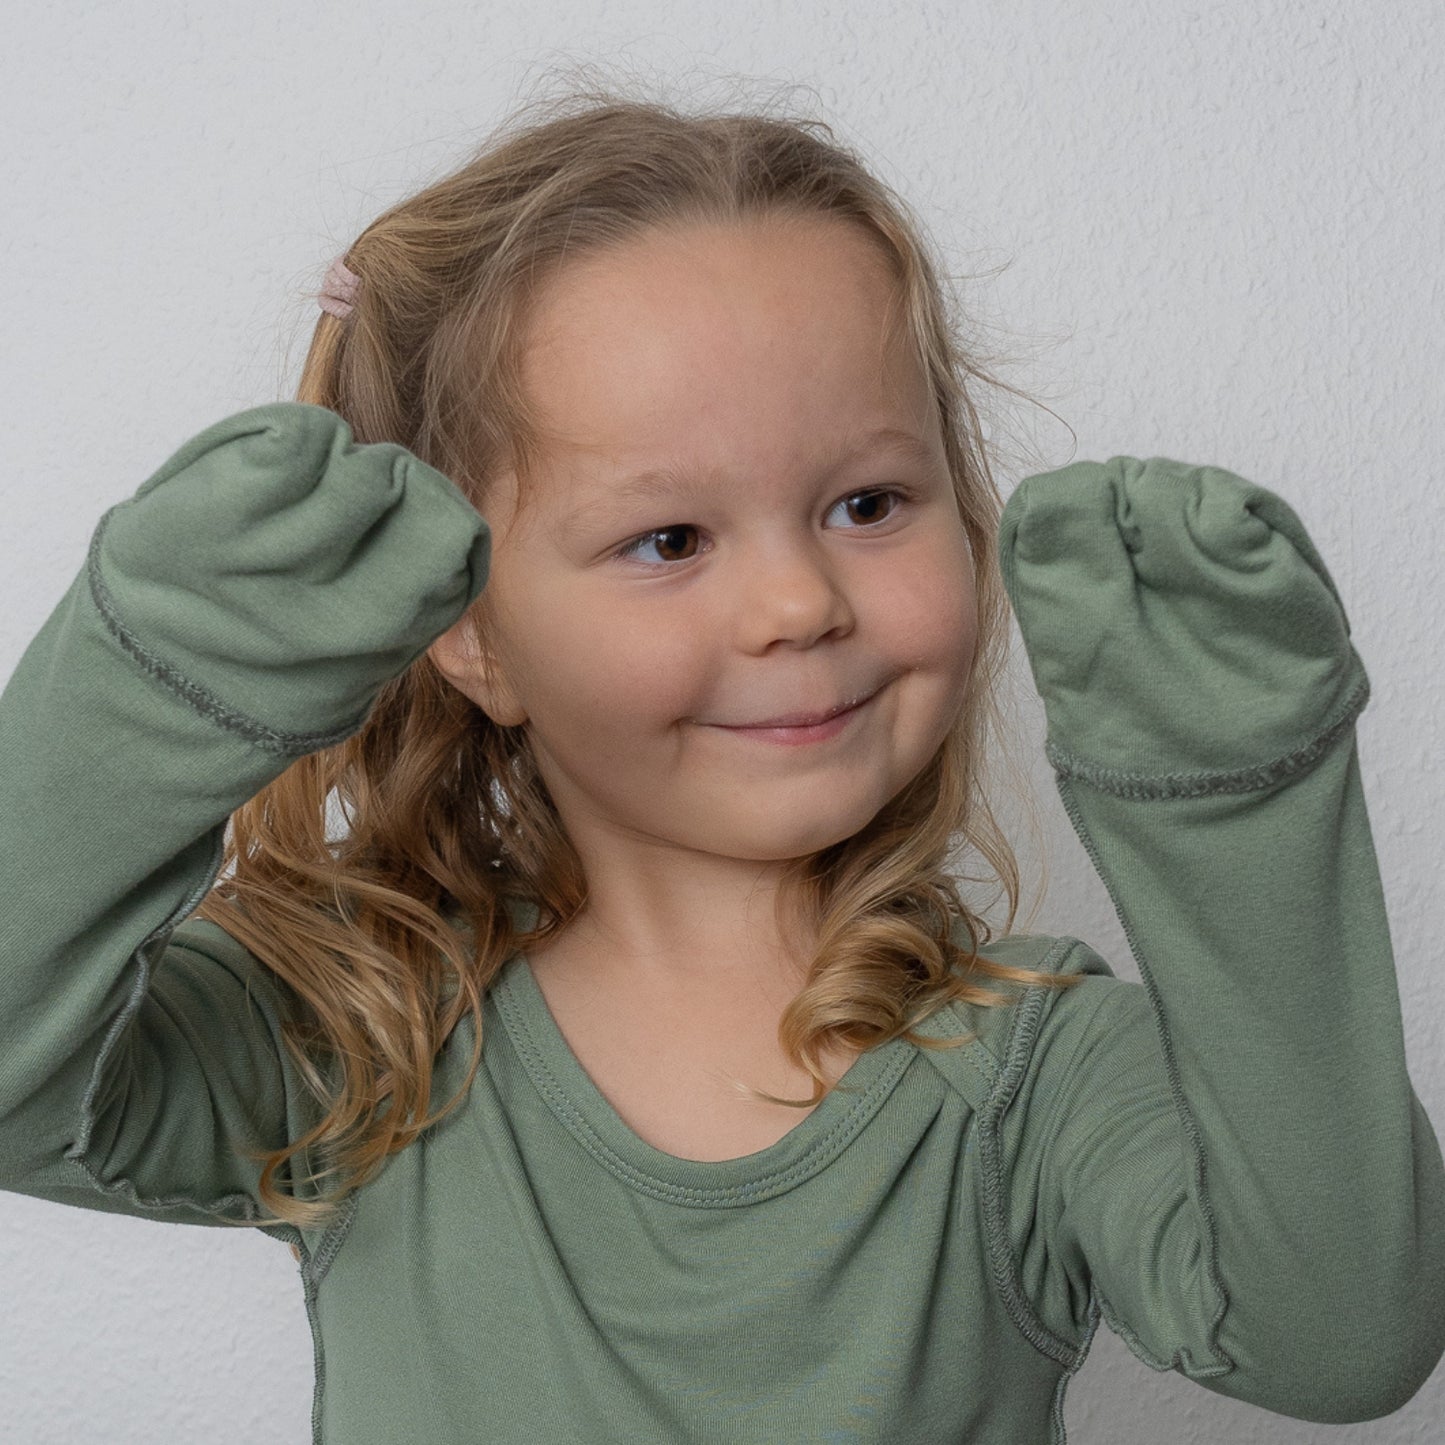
[1227,1162]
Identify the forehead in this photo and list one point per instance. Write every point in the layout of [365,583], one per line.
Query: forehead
[664,339]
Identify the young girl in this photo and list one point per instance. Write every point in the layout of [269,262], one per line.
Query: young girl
[630,577]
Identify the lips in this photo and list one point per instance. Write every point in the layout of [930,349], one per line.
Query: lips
[806,719]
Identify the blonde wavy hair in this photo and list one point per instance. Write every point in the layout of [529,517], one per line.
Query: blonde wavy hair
[447,820]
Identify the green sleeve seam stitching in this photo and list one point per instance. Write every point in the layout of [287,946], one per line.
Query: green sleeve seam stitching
[1197,784]
[1018,1049]
[200,699]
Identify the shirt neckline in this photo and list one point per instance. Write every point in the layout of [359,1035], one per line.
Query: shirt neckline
[814,1142]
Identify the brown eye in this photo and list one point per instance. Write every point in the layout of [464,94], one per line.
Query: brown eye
[672,533]
[670,536]
[872,506]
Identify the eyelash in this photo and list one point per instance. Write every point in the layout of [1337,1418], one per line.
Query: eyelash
[627,550]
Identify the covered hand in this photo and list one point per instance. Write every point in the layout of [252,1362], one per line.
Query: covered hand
[272,542]
[1179,623]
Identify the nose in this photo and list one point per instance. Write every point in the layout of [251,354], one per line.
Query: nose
[796,592]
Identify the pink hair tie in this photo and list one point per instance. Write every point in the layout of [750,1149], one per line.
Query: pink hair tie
[338,290]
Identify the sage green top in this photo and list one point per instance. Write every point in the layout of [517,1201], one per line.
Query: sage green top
[1227,1162]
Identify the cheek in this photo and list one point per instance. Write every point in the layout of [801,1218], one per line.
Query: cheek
[609,672]
[932,614]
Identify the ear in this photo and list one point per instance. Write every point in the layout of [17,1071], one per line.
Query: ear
[460,658]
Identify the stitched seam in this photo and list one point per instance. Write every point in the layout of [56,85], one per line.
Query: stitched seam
[1196,784]
[828,1145]
[312,1274]
[1023,1032]
[1059,1435]
[973,1055]
[318,1361]
[199,699]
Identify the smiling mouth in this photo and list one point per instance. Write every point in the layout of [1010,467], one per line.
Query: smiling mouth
[806,720]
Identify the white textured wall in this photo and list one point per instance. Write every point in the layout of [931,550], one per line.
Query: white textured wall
[1223,226]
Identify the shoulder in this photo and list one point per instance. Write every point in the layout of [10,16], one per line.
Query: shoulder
[1046,953]
[1036,1026]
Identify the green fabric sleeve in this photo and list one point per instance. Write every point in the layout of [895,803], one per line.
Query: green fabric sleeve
[1236,1165]
[245,607]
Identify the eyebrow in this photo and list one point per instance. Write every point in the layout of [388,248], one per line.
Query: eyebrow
[680,480]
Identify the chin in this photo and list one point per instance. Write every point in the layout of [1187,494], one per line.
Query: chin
[768,844]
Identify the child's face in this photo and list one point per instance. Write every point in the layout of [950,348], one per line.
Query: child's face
[750,355]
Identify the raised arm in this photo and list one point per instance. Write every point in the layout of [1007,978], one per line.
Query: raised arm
[243,608]
[1237,1168]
